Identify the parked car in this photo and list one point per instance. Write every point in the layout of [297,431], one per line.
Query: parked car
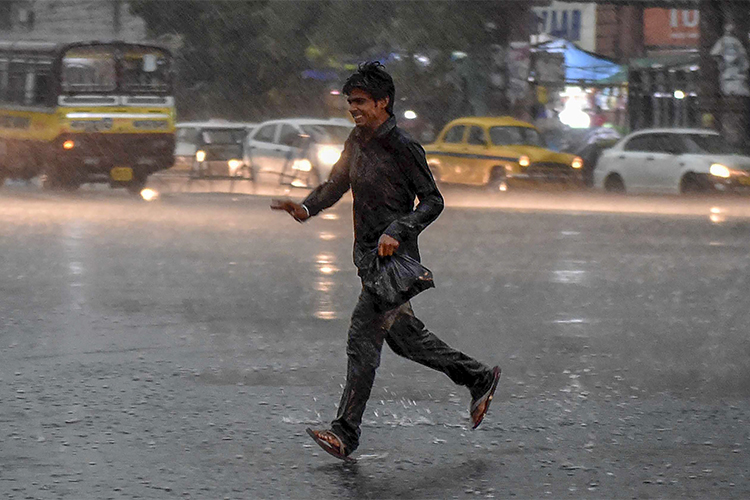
[298,151]
[498,152]
[212,148]
[672,161]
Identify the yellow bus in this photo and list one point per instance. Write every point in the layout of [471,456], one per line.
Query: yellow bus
[85,112]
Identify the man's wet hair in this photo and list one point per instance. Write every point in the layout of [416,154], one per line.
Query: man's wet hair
[372,78]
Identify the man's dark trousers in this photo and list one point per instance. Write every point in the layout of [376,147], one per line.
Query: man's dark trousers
[407,337]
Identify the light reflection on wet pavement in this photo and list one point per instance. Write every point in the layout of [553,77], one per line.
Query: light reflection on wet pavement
[180,347]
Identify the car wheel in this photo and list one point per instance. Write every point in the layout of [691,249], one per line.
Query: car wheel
[692,183]
[246,172]
[135,186]
[498,181]
[614,184]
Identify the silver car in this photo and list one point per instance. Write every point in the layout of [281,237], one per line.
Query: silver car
[296,151]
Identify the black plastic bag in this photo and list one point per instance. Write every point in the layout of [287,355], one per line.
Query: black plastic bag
[396,279]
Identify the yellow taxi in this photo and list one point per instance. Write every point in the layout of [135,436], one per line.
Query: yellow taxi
[498,152]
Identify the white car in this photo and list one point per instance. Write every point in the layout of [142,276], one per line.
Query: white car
[679,160]
[211,148]
[296,151]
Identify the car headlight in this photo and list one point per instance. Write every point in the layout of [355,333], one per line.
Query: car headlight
[234,164]
[524,161]
[328,155]
[577,162]
[200,156]
[719,170]
[303,165]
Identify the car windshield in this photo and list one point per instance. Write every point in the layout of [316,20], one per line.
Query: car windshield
[507,136]
[224,136]
[95,69]
[708,143]
[145,70]
[327,134]
[89,69]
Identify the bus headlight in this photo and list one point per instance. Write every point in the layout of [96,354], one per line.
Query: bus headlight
[328,155]
[69,144]
[234,164]
[524,161]
[200,156]
[577,162]
[719,170]
[303,165]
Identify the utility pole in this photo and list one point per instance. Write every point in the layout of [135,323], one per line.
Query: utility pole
[116,17]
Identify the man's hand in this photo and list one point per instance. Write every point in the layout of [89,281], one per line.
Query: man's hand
[387,245]
[294,209]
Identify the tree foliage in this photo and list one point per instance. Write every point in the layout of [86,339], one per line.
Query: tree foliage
[248,57]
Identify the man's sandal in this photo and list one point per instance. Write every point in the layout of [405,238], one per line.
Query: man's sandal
[479,406]
[330,443]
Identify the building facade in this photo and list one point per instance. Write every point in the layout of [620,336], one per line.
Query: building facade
[69,21]
[571,21]
[619,31]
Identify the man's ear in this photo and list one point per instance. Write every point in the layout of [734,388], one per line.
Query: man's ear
[385,101]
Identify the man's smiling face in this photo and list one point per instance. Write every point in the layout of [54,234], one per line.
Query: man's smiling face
[367,112]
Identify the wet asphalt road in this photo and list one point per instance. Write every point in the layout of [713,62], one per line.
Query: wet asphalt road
[178,349]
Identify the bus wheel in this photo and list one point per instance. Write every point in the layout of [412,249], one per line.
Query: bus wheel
[56,180]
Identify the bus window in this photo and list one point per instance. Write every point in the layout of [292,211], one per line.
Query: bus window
[16,83]
[28,88]
[3,78]
[145,70]
[42,88]
[89,69]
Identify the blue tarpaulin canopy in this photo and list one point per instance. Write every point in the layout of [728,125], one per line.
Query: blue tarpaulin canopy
[583,67]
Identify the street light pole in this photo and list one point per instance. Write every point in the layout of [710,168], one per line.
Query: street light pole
[724,60]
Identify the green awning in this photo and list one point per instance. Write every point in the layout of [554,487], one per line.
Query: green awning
[668,61]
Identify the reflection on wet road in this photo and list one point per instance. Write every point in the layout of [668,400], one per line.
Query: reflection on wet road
[325,284]
[206,331]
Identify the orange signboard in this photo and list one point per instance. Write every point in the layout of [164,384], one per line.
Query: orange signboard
[671,27]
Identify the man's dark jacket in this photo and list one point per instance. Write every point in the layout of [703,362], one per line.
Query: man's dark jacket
[385,174]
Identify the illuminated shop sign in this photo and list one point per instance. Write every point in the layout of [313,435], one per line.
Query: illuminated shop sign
[671,27]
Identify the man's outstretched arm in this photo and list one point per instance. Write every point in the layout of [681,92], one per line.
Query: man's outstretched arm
[298,211]
[334,187]
[322,196]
